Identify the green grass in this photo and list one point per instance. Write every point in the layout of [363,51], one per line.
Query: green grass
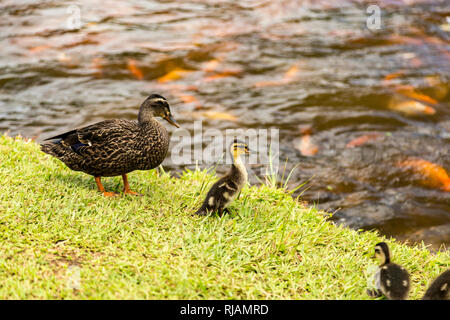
[58,233]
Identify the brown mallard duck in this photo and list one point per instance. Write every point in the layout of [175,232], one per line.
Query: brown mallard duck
[116,147]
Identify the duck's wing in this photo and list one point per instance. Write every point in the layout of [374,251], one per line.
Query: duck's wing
[99,135]
[62,135]
[108,131]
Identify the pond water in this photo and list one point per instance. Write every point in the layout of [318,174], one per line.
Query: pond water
[364,113]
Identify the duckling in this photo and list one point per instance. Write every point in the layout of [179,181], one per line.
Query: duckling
[116,147]
[391,279]
[226,188]
[439,288]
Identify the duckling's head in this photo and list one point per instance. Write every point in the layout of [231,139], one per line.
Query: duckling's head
[237,148]
[382,253]
[156,106]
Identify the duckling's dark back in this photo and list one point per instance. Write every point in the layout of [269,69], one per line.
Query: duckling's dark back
[439,288]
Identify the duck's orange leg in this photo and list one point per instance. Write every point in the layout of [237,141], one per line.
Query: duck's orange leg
[126,187]
[102,190]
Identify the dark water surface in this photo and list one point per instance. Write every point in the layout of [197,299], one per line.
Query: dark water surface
[312,69]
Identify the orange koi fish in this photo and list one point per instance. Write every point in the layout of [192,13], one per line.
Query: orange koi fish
[175,74]
[362,140]
[134,69]
[434,176]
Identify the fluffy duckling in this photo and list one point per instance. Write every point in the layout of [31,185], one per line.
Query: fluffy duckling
[226,188]
[439,288]
[391,279]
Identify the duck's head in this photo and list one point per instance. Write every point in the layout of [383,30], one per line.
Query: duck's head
[237,148]
[156,106]
[382,253]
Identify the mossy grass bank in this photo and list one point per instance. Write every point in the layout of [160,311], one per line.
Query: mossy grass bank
[61,239]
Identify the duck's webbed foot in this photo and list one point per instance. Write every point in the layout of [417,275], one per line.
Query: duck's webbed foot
[102,189]
[126,187]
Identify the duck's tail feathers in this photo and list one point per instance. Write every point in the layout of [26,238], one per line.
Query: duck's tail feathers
[53,149]
[60,151]
[63,153]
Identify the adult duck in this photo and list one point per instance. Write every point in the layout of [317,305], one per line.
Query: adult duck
[116,147]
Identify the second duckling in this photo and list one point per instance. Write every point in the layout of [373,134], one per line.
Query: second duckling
[226,188]
[439,288]
[391,280]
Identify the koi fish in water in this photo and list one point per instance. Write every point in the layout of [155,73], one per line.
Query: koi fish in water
[305,145]
[433,175]
[290,75]
[134,69]
[362,140]
[173,75]
[411,107]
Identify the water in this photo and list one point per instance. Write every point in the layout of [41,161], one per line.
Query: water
[312,69]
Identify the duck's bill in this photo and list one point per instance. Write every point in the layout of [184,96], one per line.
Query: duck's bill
[172,121]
